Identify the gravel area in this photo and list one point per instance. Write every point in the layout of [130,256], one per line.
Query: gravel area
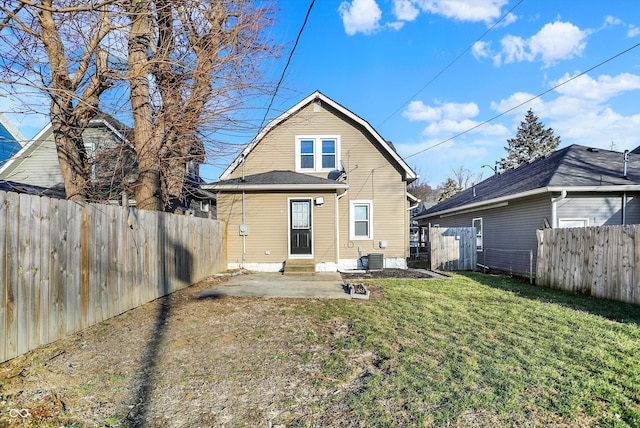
[184,361]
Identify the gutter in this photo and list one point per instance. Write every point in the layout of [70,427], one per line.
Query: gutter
[245,186]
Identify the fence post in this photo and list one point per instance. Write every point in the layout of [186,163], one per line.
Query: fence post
[531,267]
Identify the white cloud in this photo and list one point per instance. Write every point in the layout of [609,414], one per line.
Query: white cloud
[396,25]
[633,31]
[448,119]
[417,110]
[508,20]
[611,20]
[360,16]
[481,49]
[583,111]
[405,10]
[555,41]
[364,16]
[464,10]
[448,128]
[514,48]
[598,90]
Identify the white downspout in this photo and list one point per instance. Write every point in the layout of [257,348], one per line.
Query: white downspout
[554,209]
[624,208]
[244,236]
[337,226]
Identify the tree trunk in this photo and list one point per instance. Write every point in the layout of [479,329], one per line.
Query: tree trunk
[147,190]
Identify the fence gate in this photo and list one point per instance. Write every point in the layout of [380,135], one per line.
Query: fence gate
[452,248]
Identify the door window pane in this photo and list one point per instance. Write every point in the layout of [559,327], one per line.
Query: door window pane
[300,215]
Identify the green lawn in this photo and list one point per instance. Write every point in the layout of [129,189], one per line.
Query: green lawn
[481,350]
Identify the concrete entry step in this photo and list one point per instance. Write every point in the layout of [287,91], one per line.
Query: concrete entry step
[300,267]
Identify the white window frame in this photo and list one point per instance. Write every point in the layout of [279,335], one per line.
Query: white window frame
[566,223]
[479,236]
[313,241]
[352,219]
[317,152]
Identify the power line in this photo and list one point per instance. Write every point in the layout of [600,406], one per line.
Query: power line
[526,101]
[284,70]
[451,63]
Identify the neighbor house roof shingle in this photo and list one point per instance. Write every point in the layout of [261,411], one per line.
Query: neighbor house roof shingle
[574,167]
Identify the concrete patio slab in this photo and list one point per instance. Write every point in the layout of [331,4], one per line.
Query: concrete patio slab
[322,285]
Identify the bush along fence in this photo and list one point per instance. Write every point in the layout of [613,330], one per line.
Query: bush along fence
[65,266]
[599,261]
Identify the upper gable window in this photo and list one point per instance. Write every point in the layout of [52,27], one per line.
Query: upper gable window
[317,153]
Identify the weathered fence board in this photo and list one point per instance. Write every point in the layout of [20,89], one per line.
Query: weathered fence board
[602,261]
[452,248]
[65,266]
[3,278]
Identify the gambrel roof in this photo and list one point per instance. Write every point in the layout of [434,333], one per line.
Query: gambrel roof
[408,173]
[575,168]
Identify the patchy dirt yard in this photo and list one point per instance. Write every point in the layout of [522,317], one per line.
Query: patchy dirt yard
[183,361]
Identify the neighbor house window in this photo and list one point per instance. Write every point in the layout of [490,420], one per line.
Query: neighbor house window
[317,153]
[477,225]
[361,219]
[573,222]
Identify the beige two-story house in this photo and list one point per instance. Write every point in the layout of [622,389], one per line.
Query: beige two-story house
[317,185]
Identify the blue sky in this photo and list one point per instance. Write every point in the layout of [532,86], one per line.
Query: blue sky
[390,62]
[419,73]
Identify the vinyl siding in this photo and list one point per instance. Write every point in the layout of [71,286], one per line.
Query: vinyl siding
[370,176]
[633,209]
[267,216]
[600,210]
[38,165]
[509,232]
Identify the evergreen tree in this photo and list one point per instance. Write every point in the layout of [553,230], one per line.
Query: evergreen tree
[448,189]
[532,141]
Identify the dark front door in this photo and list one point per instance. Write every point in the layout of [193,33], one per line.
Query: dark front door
[300,212]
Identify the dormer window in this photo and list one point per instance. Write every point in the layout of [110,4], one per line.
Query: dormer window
[317,153]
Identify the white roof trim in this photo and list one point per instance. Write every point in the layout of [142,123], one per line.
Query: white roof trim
[542,190]
[111,127]
[13,130]
[317,95]
[244,186]
[24,148]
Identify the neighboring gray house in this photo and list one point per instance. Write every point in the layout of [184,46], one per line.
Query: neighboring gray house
[106,143]
[573,187]
[11,139]
[35,169]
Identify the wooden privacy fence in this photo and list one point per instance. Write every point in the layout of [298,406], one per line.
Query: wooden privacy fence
[599,261]
[452,248]
[65,266]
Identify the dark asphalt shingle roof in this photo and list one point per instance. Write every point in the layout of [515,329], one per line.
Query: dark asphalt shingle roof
[573,166]
[277,178]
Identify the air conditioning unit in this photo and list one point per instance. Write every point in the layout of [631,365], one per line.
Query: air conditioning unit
[375,261]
